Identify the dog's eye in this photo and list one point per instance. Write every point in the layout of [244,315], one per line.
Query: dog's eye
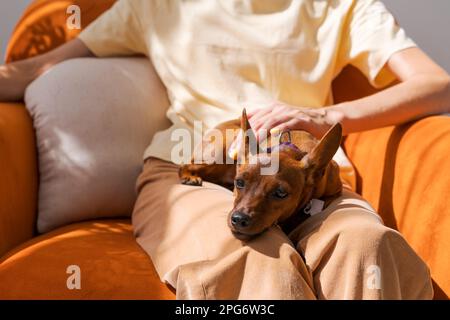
[280,193]
[239,183]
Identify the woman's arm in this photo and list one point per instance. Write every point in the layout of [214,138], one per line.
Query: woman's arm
[15,77]
[424,90]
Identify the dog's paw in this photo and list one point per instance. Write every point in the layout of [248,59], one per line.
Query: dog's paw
[192,181]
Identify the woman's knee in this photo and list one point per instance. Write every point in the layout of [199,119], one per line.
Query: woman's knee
[350,232]
[267,267]
[365,234]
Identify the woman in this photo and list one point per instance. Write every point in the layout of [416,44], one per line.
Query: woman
[278,59]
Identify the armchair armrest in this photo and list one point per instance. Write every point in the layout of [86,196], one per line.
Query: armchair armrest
[404,172]
[18,176]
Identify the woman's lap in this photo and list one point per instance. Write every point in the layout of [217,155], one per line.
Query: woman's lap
[184,230]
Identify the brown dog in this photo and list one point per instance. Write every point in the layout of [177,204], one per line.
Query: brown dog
[305,171]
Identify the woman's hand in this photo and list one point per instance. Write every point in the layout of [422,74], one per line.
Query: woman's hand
[281,117]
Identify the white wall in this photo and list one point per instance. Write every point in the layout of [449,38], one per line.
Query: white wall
[10,12]
[426,21]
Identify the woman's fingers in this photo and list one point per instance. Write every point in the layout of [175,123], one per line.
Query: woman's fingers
[255,119]
[261,110]
[266,124]
[271,127]
[277,118]
[252,112]
[286,126]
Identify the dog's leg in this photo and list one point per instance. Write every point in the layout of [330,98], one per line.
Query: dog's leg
[190,174]
[194,174]
[221,174]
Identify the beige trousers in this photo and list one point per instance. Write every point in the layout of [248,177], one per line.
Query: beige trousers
[344,252]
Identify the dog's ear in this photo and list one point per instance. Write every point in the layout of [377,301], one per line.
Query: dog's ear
[285,137]
[317,160]
[250,145]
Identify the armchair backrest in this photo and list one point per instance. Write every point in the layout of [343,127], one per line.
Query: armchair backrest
[43,26]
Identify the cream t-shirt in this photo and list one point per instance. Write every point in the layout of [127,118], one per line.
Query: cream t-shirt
[217,56]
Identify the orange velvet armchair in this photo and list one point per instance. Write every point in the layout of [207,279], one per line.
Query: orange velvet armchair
[403,171]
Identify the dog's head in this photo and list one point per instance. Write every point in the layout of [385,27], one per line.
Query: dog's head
[264,200]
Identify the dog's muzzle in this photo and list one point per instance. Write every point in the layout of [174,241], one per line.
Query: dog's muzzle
[240,220]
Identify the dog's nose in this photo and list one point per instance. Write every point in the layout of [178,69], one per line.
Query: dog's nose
[240,220]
